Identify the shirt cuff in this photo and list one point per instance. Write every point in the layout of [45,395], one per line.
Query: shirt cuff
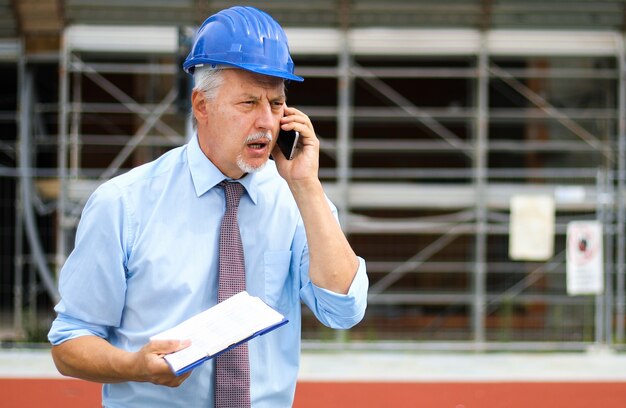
[345,311]
[65,328]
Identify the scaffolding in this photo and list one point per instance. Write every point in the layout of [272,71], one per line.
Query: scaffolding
[426,135]
[471,198]
[378,142]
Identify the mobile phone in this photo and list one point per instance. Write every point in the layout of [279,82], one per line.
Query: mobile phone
[287,142]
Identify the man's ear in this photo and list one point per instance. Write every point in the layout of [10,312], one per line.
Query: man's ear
[198,106]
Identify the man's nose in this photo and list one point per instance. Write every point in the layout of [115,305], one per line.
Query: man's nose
[265,117]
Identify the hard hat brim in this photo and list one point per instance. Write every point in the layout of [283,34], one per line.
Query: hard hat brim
[190,65]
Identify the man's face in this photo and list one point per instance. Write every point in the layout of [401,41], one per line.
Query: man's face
[242,122]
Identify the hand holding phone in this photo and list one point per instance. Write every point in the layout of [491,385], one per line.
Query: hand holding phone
[287,142]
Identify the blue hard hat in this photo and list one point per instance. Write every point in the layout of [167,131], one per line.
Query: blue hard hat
[243,37]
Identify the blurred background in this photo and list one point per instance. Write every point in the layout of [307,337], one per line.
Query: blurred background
[433,115]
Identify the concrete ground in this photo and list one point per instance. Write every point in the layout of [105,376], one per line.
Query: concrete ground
[400,366]
[381,379]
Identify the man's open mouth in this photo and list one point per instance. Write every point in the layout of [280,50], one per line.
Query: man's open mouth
[257,145]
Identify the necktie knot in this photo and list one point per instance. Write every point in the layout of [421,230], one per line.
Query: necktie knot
[233,191]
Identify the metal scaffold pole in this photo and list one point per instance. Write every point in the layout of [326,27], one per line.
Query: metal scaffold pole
[480,186]
[26,183]
[621,191]
[344,134]
[62,157]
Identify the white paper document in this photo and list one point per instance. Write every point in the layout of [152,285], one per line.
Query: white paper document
[231,322]
[531,230]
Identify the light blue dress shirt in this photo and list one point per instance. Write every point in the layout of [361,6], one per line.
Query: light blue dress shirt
[146,258]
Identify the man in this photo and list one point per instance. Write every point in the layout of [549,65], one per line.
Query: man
[148,244]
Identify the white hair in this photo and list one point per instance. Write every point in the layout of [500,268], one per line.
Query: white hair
[207,80]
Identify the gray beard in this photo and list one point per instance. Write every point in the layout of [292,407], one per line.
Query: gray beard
[245,167]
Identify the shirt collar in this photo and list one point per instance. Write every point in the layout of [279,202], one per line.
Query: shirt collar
[205,175]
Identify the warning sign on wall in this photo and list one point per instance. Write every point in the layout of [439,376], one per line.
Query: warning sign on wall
[584,258]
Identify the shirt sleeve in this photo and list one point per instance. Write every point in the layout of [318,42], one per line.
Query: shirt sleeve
[335,310]
[92,282]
